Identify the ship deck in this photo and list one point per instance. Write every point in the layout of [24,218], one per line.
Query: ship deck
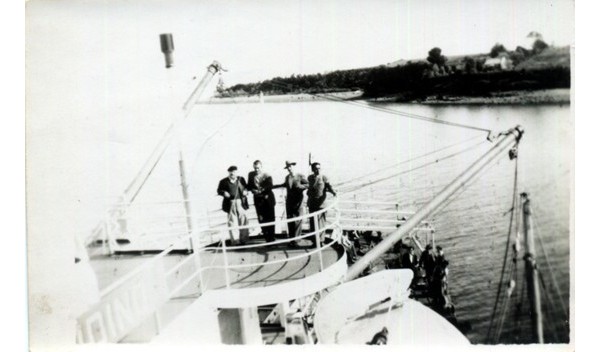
[261,274]
[246,268]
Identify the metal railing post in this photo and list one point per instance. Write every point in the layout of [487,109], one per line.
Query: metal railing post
[157,322]
[318,240]
[226,263]
[355,208]
[198,261]
[109,242]
[338,216]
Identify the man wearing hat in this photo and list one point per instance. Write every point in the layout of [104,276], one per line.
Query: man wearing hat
[260,184]
[440,257]
[233,190]
[318,186]
[295,184]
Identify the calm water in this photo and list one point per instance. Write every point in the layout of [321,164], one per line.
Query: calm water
[351,141]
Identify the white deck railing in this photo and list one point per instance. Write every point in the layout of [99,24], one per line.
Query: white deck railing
[138,295]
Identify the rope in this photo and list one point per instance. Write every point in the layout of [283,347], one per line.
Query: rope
[508,236]
[389,111]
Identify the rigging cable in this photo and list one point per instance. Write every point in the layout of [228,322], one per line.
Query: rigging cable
[357,187]
[508,237]
[551,270]
[514,270]
[390,111]
[512,274]
[549,301]
[212,135]
[505,304]
[343,183]
[459,193]
[518,314]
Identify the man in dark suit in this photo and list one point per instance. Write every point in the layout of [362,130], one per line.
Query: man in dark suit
[295,184]
[318,186]
[410,261]
[428,261]
[233,190]
[260,184]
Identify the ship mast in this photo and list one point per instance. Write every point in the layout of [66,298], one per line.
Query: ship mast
[531,271]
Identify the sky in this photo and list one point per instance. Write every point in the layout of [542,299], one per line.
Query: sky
[257,40]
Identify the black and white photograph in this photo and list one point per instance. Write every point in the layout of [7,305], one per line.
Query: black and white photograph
[387,172]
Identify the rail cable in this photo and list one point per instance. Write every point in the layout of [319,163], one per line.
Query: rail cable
[507,248]
[387,110]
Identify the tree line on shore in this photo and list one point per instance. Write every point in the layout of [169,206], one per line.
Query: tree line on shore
[473,75]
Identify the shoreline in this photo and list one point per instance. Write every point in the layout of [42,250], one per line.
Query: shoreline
[285,98]
[558,96]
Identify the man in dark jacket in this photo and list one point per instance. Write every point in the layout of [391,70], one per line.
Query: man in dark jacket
[233,190]
[295,184]
[261,184]
[318,186]
[428,261]
[409,259]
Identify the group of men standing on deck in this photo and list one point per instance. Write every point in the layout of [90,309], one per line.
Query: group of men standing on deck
[234,190]
[435,266]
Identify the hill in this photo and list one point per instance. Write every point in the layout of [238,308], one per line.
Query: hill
[457,76]
[550,58]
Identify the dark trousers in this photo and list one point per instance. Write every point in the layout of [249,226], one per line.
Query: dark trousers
[294,227]
[266,213]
